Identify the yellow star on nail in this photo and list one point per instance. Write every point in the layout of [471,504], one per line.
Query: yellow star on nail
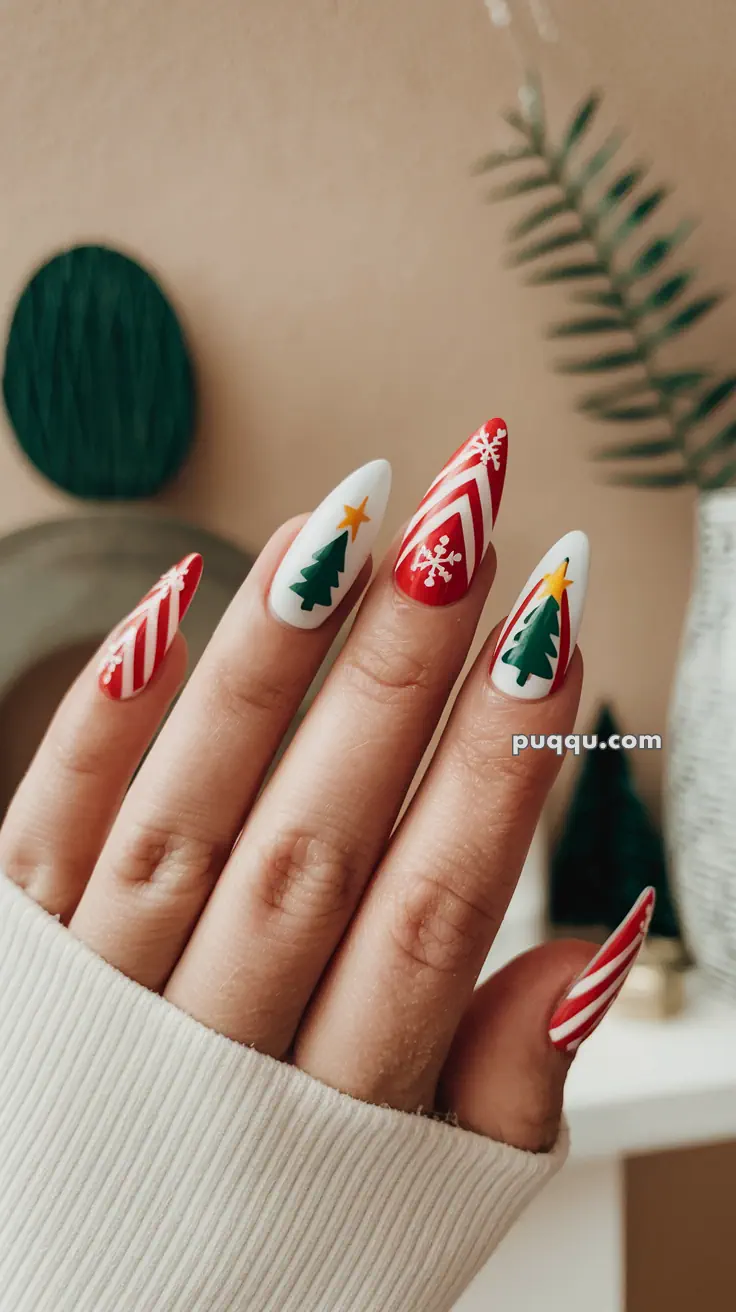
[556,583]
[354,517]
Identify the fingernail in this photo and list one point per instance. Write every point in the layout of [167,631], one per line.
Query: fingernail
[539,636]
[584,1006]
[449,535]
[137,647]
[325,559]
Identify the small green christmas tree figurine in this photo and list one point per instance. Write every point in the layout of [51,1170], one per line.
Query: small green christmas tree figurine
[609,849]
[324,575]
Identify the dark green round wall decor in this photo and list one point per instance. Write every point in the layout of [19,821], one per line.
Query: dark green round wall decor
[98,383]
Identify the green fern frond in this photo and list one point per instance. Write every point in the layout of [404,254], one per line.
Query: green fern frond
[581,121]
[636,304]
[594,323]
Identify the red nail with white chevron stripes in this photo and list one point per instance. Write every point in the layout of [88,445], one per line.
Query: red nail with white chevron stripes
[584,1005]
[136,648]
[450,532]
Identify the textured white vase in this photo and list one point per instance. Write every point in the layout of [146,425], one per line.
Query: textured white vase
[700,792]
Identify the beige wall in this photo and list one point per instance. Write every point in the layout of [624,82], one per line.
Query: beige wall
[298,173]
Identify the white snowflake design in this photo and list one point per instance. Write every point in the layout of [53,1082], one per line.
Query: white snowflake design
[489,448]
[435,561]
[110,664]
[171,581]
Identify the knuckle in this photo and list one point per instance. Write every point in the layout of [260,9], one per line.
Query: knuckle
[387,671]
[532,1132]
[170,863]
[17,866]
[478,755]
[260,691]
[80,757]
[438,928]
[308,876]
[43,880]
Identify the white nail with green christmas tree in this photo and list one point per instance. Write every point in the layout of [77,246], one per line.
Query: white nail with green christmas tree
[326,557]
[540,632]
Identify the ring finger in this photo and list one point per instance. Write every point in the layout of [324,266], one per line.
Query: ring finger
[406,971]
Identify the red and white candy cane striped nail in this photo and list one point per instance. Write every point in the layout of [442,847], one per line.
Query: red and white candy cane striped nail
[136,648]
[584,1006]
[449,535]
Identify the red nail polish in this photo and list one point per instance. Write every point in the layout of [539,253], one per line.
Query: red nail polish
[450,532]
[135,650]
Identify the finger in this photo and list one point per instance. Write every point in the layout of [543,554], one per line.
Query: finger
[60,816]
[182,815]
[503,1078]
[406,970]
[505,1073]
[316,834]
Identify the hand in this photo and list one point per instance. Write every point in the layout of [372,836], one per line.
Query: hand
[297,918]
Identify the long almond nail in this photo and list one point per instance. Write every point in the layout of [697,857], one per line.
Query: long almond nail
[539,636]
[326,557]
[584,1006]
[136,648]
[450,532]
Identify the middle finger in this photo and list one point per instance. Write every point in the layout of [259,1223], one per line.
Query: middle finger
[315,836]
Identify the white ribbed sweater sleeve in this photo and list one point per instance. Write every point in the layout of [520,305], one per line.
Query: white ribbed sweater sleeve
[148,1164]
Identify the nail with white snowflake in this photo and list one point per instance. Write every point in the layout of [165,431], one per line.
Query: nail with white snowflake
[326,557]
[585,1004]
[540,632]
[448,537]
[136,648]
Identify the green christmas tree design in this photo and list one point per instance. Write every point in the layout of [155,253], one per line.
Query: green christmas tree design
[319,579]
[534,649]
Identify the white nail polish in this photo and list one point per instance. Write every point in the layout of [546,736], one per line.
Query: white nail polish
[539,635]
[325,559]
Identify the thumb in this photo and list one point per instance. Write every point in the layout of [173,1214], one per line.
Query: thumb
[503,1078]
[506,1070]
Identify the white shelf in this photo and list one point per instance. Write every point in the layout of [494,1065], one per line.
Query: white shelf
[639,1086]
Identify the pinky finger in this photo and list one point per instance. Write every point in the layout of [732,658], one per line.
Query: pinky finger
[505,1074]
[503,1077]
[62,812]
